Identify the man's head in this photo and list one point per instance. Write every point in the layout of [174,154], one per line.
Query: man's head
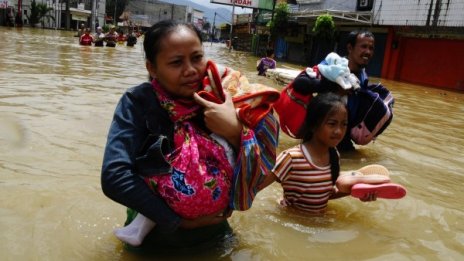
[360,48]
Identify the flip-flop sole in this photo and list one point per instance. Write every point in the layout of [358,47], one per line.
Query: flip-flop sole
[385,190]
[345,182]
[374,169]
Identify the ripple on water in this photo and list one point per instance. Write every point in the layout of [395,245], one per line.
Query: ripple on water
[12,132]
[334,236]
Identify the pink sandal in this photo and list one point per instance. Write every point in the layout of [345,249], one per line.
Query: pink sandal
[384,190]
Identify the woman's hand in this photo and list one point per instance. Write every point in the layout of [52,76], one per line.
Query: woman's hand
[222,119]
[202,221]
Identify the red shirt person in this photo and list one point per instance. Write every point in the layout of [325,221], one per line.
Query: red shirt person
[86,38]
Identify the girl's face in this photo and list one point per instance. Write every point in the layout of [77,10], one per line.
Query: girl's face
[180,63]
[333,128]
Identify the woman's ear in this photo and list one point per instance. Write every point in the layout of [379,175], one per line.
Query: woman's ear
[151,69]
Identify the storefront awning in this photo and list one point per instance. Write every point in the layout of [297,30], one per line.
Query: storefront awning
[80,14]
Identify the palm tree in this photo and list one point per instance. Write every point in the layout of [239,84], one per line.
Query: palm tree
[39,11]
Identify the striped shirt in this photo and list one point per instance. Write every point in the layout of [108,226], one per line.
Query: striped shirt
[306,186]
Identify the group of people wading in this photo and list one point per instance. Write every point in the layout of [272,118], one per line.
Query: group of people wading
[109,39]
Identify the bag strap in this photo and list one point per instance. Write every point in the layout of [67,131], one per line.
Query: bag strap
[295,99]
[334,164]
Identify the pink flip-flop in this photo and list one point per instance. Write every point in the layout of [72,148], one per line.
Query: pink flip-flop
[384,190]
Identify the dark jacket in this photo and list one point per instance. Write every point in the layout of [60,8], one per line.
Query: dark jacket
[136,140]
[119,178]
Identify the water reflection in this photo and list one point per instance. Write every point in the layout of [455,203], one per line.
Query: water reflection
[57,100]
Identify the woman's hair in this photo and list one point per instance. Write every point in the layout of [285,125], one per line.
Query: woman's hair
[154,35]
[317,110]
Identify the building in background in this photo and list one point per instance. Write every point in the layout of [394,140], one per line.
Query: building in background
[424,41]
[7,13]
[79,12]
[146,13]
[415,41]
[198,18]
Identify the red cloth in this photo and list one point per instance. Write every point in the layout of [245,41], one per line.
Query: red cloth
[201,179]
[291,108]
[253,101]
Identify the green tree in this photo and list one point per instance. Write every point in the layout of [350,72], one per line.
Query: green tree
[206,27]
[205,30]
[324,27]
[324,30]
[278,24]
[38,12]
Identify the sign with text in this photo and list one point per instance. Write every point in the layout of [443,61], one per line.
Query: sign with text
[261,4]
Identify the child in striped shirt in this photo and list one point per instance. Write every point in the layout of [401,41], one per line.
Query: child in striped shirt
[308,171]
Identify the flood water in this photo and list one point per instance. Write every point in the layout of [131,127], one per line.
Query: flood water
[56,103]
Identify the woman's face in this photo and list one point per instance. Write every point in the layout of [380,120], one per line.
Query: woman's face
[180,63]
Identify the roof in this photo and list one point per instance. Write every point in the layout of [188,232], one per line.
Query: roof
[340,17]
[80,11]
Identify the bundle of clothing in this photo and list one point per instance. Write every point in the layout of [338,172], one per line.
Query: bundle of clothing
[370,107]
[252,100]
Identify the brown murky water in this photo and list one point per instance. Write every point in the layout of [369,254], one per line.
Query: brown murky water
[56,103]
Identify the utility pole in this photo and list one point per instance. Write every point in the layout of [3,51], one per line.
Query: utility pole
[172,11]
[231,25]
[20,6]
[272,18]
[57,12]
[93,16]
[212,30]
[114,18]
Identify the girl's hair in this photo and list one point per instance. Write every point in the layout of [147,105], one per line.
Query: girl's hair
[317,110]
[154,35]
